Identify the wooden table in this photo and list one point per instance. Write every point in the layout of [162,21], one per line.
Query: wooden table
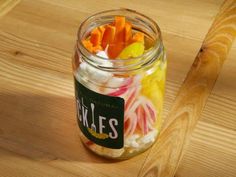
[38,129]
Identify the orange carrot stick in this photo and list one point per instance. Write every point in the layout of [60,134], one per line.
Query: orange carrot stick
[119,23]
[119,42]
[102,30]
[115,49]
[117,35]
[88,45]
[96,37]
[138,37]
[128,31]
[108,36]
[120,26]
[97,48]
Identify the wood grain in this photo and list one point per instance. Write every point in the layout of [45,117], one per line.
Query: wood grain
[7,5]
[165,156]
[37,113]
[9,165]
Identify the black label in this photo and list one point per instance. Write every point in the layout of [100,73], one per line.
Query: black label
[100,117]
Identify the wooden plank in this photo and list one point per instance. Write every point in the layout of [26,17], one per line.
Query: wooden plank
[211,152]
[26,48]
[12,164]
[211,155]
[178,18]
[7,5]
[46,17]
[165,156]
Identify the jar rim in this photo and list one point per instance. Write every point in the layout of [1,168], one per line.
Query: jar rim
[156,48]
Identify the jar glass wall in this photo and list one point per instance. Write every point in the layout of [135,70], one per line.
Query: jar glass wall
[120,100]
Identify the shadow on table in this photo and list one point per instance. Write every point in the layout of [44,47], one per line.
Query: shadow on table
[43,128]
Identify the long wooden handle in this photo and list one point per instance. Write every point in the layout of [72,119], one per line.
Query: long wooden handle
[164,157]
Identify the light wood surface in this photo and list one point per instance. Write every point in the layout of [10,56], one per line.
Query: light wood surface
[6,6]
[38,130]
[165,156]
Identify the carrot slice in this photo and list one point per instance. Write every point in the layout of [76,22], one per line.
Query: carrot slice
[117,35]
[138,37]
[102,30]
[115,49]
[120,26]
[128,31]
[108,36]
[96,37]
[119,41]
[97,48]
[119,22]
[88,45]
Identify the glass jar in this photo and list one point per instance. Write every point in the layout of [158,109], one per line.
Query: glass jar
[119,101]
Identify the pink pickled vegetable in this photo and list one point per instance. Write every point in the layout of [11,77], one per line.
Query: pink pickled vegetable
[142,120]
[140,113]
[130,124]
[119,92]
[123,89]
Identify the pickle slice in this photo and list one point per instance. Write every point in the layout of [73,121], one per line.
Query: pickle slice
[135,49]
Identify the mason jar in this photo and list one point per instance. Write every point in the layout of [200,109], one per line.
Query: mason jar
[119,102]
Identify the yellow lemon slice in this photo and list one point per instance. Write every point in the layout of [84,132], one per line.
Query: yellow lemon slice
[153,86]
[135,49]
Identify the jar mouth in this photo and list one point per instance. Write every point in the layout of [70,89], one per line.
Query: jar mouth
[103,17]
